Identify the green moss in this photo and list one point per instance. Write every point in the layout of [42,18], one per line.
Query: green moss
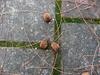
[57,32]
[19,44]
[80,20]
[58,19]
[57,69]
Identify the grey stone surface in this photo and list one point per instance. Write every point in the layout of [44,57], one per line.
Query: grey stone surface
[78,48]
[21,20]
[88,8]
[15,61]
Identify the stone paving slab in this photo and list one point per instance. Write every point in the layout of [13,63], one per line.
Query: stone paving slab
[78,48]
[17,61]
[88,8]
[21,20]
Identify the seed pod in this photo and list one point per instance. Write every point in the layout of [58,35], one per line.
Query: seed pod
[43,44]
[55,46]
[47,17]
[85,73]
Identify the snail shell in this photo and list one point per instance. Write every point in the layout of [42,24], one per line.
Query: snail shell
[47,17]
[43,44]
[55,46]
[85,73]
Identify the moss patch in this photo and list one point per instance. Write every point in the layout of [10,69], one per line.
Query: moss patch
[19,44]
[58,19]
[80,20]
[57,31]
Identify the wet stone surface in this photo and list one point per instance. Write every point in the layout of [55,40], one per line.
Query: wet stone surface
[78,48]
[21,20]
[88,8]
[15,61]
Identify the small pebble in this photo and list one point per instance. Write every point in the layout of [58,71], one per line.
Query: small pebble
[35,48]
[22,28]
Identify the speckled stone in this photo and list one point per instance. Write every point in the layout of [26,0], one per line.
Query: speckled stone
[87,8]
[21,20]
[78,48]
[25,61]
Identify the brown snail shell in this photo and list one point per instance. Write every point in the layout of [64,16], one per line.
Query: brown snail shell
[47,17]
[43,44]
[55,46]
[85,73]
